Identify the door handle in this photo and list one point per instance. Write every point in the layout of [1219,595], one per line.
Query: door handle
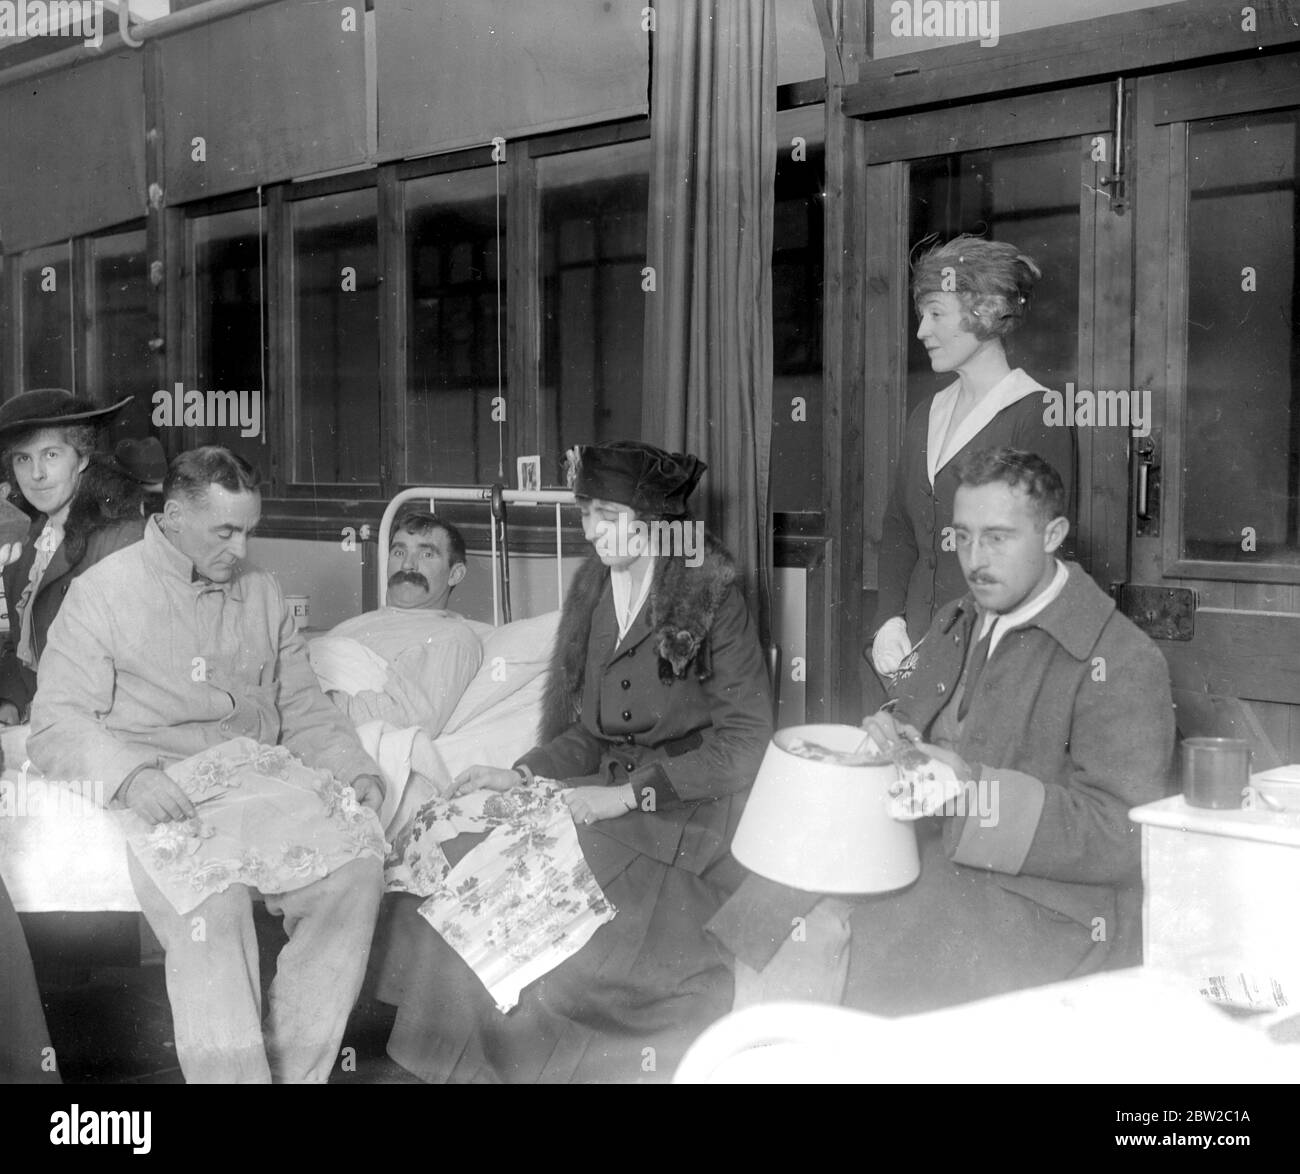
[1147,485]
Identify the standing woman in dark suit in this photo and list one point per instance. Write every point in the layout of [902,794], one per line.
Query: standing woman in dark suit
[657,714]
[969,295]
[85,508]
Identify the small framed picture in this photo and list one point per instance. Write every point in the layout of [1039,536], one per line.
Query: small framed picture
[529,472]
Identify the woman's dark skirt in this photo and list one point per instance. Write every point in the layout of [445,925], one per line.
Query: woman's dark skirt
[622,1009]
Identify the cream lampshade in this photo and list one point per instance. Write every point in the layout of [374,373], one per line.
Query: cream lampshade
[822,826]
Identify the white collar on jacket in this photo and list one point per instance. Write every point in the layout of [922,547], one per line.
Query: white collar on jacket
[1013,386]
[626,609]
[1025,612]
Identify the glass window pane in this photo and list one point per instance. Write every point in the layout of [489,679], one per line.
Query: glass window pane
[336,339]
[227,317]
[123,323]
[455,242]
[47,317]
[1028,195]
[593,309]
[797,239]
[1242,444]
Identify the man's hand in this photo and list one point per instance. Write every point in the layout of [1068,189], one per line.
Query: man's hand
[155,798]
[927,786]
[10,552]
[886,730]
[592,804]
[9,715]
[369,791]
[959,765]
[490,778]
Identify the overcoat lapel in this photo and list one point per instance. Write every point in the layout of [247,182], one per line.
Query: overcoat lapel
[58,567]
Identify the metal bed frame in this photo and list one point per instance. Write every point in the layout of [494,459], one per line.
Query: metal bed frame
[497,497]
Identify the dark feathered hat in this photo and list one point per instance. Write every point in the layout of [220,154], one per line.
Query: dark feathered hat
[651,481]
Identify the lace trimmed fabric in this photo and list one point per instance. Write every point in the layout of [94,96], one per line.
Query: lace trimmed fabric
[519,903]
[264,819]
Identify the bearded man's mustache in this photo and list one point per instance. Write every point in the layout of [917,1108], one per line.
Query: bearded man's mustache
[413,577]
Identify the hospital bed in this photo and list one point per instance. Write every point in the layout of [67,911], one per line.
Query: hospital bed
[61,851]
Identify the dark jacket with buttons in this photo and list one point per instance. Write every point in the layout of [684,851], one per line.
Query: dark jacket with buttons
[917,576]
[105,516]
[681,709]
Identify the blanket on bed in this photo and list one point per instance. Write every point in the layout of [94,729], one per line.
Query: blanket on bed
[403,666]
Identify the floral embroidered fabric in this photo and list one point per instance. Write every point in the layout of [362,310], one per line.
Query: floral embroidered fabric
[519,903]
[264,819]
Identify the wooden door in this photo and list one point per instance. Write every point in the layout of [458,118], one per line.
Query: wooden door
[1033,170]
[1215,525]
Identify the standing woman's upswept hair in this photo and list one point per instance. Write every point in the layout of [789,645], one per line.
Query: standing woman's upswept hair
[993,281]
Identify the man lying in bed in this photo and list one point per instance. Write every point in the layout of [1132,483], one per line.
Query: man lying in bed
[407,663]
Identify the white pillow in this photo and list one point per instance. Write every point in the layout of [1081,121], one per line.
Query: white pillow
[513,655]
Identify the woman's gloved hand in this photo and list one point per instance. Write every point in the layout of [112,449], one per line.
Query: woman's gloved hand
[890,646]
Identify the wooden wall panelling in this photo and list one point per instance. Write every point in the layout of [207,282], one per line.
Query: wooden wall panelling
[393,327]
[155,224]
[1105,361]
[1100,47]
[1280,719]
[882,328]
[834,689]
[1241,670]
[277,456]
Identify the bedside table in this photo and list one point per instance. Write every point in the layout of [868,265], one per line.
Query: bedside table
[1222,899]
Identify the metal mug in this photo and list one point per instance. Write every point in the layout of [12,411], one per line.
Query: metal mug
[1215,772]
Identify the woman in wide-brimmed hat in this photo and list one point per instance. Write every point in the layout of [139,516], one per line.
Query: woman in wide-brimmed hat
[85,507]
[657,713]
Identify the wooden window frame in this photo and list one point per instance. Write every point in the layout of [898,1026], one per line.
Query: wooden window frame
[1165,108]
[321,510]
[1103,354]
[282,261]
[1127,43]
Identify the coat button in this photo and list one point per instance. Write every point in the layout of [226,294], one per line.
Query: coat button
[626,684]
[628,767]
[631,652]
[629,738]
[627,715]
[942,687]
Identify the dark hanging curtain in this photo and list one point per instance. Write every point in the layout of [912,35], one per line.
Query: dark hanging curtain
[708,338]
